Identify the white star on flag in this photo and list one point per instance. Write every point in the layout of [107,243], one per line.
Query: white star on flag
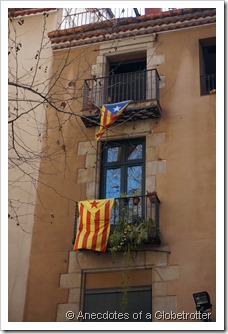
[117,108]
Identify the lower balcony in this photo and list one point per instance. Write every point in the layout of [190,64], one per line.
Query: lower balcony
[134,223]
[141,87]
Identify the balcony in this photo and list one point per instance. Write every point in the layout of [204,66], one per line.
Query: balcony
[75,17]
[134,222]
[208,83]
[142,87]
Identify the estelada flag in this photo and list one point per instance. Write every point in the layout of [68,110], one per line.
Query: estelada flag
[110,113]
[94,224]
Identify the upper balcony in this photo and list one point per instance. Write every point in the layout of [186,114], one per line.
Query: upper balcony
[142,87]
[74,17]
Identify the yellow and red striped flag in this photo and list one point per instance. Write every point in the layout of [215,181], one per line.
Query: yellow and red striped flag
[94,224]
[110,113]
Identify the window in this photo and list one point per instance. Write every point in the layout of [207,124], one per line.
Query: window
[207,65]
[122,168]
[107,304]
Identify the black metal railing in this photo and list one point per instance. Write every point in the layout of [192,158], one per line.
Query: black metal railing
[74,17]
[208,83]
[134,210]
[135,86]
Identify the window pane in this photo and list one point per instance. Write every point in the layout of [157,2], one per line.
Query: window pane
[134,152]
[134,180]
[113,154]
[113,183]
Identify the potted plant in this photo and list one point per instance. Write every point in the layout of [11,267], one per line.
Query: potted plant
[126,237]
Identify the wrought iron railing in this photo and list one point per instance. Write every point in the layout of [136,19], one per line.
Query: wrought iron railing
[135,86]
[135,210]
[74,17]
[208,83]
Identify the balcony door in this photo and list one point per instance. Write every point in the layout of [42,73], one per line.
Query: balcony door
[127,80]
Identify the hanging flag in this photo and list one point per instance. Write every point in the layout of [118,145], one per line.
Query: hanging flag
[110,113]
[94,224]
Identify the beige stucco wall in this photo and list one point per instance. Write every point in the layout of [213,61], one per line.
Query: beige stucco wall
[180,166]
[187,189]
[23,190]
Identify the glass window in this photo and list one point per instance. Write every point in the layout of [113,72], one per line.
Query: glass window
[113,185]
[109,301]
[134,180]
[113,154]
[122,168]
[134,151]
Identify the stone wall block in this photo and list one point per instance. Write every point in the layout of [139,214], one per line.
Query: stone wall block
[90,190]
[86,175]
[152,153]
[167,304]
[70,280]
[67,312]
[87,147]
[94,69]
[74,295]
[158,59]
[159,289]
[155,139]
[91,160]
[73,263]
[150,183]
[150,55]
[162,81]
[169,273]
[156,167]
[100,59]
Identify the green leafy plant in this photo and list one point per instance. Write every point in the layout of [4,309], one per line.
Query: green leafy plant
[126,237]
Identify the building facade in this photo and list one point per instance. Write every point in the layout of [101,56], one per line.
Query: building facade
[161,150]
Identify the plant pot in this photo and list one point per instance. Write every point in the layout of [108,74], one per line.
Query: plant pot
[136,200]
[152,196]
